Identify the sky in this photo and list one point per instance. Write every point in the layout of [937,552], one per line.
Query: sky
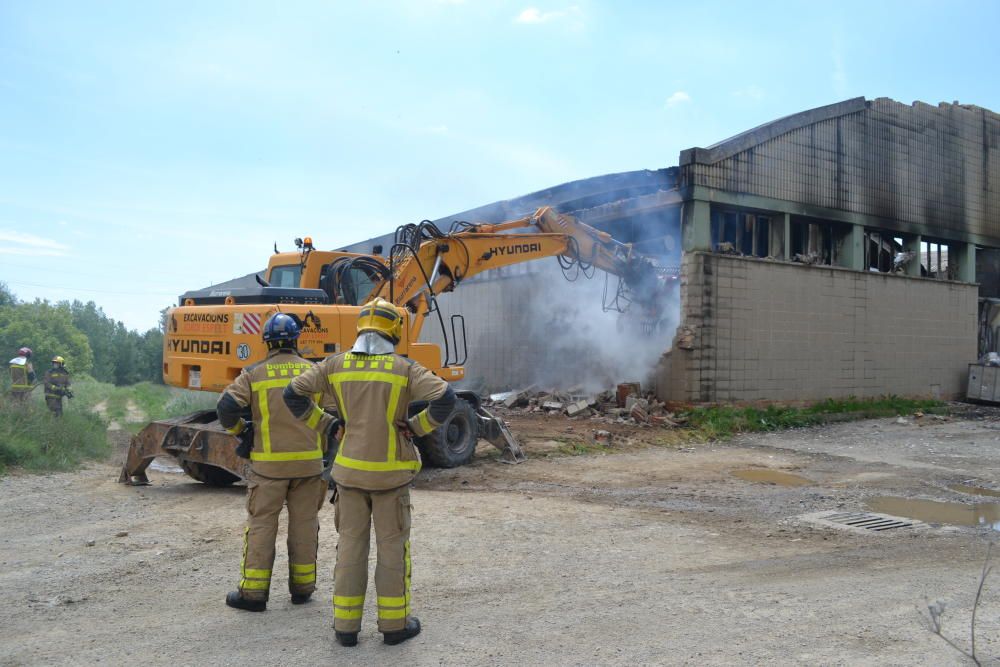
[150,148]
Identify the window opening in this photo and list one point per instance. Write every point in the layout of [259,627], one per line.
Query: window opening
[741,233]
[813,242]
[285,276]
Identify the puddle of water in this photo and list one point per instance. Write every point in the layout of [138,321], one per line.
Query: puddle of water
[975,490]
[160,464]
[935,511]
[776,477]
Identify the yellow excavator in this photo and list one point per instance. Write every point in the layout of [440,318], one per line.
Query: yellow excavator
[212,334]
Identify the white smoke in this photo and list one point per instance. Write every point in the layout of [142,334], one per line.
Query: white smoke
[586,346]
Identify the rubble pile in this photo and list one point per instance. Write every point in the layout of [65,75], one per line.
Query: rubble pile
[626,404]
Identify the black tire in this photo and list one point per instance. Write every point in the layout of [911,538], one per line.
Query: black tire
[208,474]
[454,442]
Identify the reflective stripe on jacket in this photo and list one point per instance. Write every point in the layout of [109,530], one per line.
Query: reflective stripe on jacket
[372,394]
[21,374]
[56,382]
[283,446]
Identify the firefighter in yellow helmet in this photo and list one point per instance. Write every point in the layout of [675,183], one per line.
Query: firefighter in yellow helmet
[287,463]
[372,387]
[57,386]
[22,375]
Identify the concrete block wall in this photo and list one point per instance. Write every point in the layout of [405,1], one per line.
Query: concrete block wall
[764,330]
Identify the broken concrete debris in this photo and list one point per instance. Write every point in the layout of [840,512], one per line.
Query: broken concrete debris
[639,414]
[602,437]
[625,405]
[518,398]
[625,389]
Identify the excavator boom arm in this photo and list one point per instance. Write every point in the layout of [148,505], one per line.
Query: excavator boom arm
[441,262]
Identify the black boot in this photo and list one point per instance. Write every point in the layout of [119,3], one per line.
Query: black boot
[237,601]
[301,598]
[411,630]
[346,638]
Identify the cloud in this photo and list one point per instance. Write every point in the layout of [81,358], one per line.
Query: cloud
[534,15]
[679,97]
[19,243]
[753,93]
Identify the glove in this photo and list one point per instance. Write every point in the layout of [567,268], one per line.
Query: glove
[404,427]
[336,424]
[332,441]
[246,440]
[69,394]
[332,445]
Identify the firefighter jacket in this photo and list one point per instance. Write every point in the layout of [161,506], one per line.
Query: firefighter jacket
[22,375]
[283,446]
[372,393]
[56,382]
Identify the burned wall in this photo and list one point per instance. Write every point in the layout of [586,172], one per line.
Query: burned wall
[922,169]
[765,330]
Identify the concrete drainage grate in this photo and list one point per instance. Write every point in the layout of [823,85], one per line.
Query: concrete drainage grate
[862,521]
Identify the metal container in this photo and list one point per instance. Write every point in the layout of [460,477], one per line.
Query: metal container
[983,383]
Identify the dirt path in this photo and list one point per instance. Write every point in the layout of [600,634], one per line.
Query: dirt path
[134,414]
[647,556]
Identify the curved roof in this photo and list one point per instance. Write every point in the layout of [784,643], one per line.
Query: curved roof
[917,169]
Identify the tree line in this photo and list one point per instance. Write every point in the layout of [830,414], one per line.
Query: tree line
[91,342]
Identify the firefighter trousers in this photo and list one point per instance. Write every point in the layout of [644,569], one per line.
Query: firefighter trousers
[55,405]
[265,498]
[356,511]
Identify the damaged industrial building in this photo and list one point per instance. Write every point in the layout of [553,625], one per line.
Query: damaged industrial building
[847,250]
[829,253]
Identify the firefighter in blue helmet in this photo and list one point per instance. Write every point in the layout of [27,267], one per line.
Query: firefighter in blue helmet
[287,463]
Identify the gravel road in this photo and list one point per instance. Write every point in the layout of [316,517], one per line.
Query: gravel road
[643,555]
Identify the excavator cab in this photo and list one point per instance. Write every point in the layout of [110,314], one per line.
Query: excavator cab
[346,278]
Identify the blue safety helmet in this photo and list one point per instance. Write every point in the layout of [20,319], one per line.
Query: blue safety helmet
[281,327]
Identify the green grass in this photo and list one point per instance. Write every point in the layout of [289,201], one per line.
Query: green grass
[578,448]
[32,439]
[720,422]
[154,401]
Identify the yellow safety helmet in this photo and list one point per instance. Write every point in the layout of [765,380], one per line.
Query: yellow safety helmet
[381,317]
[58,360]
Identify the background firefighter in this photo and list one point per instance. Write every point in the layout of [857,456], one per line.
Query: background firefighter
[57,385]
[22,375]
[287,463]
[372,387]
